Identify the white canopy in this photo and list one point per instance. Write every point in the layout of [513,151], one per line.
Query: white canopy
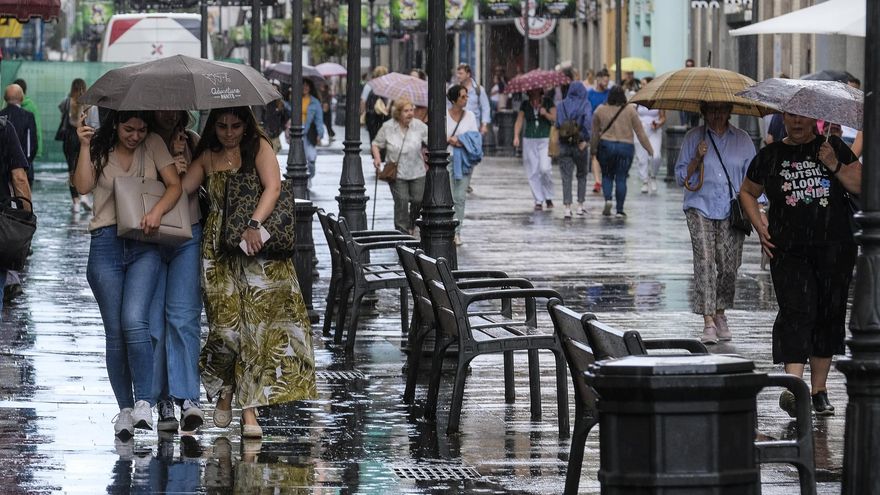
[845,17]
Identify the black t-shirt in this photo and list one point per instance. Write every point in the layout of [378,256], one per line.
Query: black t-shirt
[11,157]
[808,205]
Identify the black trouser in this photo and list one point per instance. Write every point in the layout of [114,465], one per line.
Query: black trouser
[71,147]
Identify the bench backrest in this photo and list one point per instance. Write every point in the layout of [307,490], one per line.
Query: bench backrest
[328,225]
[449,314]
[570,327]
[417,286]
[610,343]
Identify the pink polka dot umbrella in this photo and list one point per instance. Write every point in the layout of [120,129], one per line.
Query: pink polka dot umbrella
[536,79]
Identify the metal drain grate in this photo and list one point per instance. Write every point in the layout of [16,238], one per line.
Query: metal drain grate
[436,473]
[328,376]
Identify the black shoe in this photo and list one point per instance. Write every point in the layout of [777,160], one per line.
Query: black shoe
[788,403]
[549,204]
[821,405]
[10,292]
[167,421]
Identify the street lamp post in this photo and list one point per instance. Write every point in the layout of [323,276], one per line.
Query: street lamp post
[297,169]
[437,224]
[862,369]
[352,198]
[372,33]
[255,34]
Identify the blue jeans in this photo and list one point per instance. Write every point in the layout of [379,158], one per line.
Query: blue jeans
[123,274]
[615,159]
[459,196]
[311,155]
[174,321]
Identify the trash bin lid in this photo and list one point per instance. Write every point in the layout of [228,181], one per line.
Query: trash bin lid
[689,364]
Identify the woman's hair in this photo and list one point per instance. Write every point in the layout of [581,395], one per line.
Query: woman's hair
[399,105]
[77,88]
[250,139]
[420,74]
[616,96]
[311,86]
[453,92]
[182,123]
[379,71]
[107,137]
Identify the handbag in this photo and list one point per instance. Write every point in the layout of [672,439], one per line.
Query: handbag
[389,171]
[243,191]
[63,128]
[738,218]
[17,227]
[135,196]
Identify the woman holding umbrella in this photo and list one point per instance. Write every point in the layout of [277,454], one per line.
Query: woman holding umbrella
[536,116]
[711,166]
[807,236]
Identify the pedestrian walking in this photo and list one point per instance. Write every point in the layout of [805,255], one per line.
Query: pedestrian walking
[374,108]
[13,178]
[574,119]
[536,115]
[71,113]
[123,273]
[478,102]
[614,125]
[652,124]
[722,152]
[276,117]
[177,303]
[808,237]
[327,111]
[463,138]
[259,345]
[597,92]
[403,138]
[312,119]
[29,105]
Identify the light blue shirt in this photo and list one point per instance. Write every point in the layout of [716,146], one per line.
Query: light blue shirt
[713,199]
[479,105]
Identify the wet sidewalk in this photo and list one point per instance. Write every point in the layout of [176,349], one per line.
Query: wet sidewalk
[56,404]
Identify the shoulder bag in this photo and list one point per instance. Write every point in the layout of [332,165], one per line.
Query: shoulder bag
[243,191]
[389,171]
[135,196]
[63,127]
[738,219]
[17,227]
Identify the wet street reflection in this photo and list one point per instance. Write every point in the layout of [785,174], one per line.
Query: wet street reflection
[358,436]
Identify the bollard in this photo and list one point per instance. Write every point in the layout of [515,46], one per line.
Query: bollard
[505,119]
[677,424]
[305,252]
[672,142]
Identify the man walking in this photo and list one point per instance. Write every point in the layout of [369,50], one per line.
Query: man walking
[24,123]
[13,176]
[478,100]
[28,105]
[598,95]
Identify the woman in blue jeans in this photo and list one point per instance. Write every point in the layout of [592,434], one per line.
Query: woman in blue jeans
[177,305]
[123,272]
[612,144]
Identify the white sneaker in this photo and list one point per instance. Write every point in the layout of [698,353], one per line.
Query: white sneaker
[122,424]
[567,213]
[652,184]
[645,187]
[581,210]
[142,415]
[457,240]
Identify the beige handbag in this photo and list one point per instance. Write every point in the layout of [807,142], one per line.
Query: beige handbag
[135,196]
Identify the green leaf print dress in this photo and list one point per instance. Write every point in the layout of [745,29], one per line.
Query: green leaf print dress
[259,340]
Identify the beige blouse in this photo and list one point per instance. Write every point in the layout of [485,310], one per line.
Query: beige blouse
[391,138]
[621,130]
[156,157]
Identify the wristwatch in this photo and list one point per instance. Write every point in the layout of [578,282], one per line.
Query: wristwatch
[254,224]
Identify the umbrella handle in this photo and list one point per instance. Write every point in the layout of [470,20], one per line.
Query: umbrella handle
[687,182]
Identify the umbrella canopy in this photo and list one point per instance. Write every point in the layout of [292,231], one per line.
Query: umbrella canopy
[845,17]
[634,64]
[829,75]
[684,89]
[180,83]
[536,79]
[394,85]
[24,10]
[826,100]
[282,71]
[330,69]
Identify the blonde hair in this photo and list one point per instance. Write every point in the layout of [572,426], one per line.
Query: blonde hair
[379,71]
[399,105]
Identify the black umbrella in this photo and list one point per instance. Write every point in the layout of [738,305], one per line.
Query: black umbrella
[180,83]
[282,70]
[829,75]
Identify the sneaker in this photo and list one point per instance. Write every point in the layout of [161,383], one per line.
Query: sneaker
[567,213]
[644,188]
[821,406]
[607,210]
[142,415]
[166,421]
[710,335]
[10,292]
[788,403]
[652,184]
[620,214]
[597,187]
[723,330]
[549,204]
[191,416]
[457,240]
[581,211]
[122,424]
[539,207]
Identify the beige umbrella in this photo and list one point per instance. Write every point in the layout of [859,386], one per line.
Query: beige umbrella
[685,89]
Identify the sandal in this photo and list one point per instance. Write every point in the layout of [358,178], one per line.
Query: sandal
[222,417]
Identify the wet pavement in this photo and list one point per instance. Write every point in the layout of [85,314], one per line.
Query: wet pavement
[56,404]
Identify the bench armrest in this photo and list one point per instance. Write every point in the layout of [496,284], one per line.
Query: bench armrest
[362,233]
[459,274]
[488,283]
[691,345]
[362,248]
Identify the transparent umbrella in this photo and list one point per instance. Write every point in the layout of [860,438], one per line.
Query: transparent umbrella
[826,100]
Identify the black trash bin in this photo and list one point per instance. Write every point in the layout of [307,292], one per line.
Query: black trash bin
[672,143]
[505,120]
[678,424]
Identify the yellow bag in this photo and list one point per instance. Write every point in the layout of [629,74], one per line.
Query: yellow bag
[553,149]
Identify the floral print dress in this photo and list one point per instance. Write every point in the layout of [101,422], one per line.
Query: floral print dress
[259,340]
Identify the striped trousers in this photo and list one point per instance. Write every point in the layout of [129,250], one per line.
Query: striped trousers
[717,256]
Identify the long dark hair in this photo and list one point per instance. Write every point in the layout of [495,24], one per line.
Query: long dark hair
[106,139]
[616,96]
[250,140]
[183,122]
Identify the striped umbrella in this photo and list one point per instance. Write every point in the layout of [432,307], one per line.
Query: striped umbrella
[394,85]
[685,89]
[536,79]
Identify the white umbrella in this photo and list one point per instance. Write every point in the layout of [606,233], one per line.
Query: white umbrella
[845,17]
[826,100]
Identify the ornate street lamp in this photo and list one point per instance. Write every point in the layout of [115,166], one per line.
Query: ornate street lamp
[255,35]
[437,225]
[862,450]
[352,200]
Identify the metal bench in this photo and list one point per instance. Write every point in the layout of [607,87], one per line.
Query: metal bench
[477,335]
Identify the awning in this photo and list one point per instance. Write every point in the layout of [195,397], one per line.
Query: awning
[25,9]
[846,17]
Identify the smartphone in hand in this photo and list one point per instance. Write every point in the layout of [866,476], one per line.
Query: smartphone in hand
[264,236]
